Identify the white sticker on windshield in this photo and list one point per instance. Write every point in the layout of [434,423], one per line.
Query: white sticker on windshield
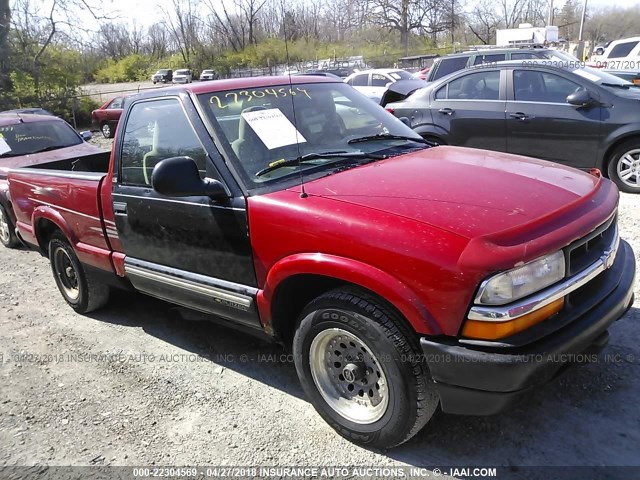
[273,128]
[4,147]
[587,75]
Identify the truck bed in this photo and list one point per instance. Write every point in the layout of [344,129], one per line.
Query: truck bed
[64,194]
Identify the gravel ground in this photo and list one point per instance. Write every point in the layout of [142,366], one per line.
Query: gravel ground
[138,384]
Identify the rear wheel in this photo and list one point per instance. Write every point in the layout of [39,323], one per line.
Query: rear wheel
[361,369]
[8,236]
[106,130]
[624,166]
[80,289]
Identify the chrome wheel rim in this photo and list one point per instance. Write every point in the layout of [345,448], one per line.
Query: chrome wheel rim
[5,233]
[66,274]
[628,168]
[348,376]
[106,130]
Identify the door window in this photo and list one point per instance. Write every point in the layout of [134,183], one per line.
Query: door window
[361,80]
[475,86]
[482,59]
[155,131]
[525,56]
[450,65]
[116,103]
[622,50]
[531,86]
[378,80]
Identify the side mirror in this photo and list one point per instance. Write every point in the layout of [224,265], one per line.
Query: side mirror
[86,135]
[581,98]
[179,177]
[406,121]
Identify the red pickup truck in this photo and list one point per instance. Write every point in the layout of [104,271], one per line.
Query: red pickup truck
[403,276]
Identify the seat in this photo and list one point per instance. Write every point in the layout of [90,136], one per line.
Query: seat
[250,150]
[318,121]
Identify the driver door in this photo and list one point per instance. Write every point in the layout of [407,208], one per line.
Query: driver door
[189,250]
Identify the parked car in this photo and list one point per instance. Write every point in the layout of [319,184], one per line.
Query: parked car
[632,76]
[208,75]
[183,75]
[582,117]
[33,111]
[414,276]
[34,140]
[373,83]
[621,54]
[164,75]
[458,61]
[422,74]
[107,116]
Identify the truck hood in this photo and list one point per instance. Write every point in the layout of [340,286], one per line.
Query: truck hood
[80,150]
[465,191]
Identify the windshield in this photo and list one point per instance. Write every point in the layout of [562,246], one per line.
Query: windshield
[273,126]
[182,72]
[614,84]
[33,137]
[207,71]
[162,72]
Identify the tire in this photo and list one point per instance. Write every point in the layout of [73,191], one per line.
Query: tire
[107,131]
[8,236]
[386,395]
[79,288]
[624,166]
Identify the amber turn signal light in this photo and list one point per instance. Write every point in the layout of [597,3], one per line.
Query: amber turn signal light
[481,330]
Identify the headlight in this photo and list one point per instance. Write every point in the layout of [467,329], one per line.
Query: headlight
[519,282]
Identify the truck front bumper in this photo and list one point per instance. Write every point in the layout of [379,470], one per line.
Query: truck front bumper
[481,380]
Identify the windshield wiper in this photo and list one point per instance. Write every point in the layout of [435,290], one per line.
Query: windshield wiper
[316,156]
[387,136]
[625,86]
[48,149]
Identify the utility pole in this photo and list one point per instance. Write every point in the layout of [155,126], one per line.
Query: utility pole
[580,41]
[550,20]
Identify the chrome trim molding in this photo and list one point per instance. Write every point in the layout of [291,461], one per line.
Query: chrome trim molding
[66,174]
[541,299]
[229,298]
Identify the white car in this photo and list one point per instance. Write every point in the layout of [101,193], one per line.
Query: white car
[208,75]
[182,76]
[622,54]
[373,83]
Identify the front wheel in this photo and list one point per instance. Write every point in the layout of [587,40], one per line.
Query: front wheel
[361,369]
[624,166]
[79,288]
[8,236]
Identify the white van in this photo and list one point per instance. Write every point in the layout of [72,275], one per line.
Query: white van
[622,54]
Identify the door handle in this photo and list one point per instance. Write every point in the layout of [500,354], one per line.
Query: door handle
[120,208]
[446,111]
[521,116]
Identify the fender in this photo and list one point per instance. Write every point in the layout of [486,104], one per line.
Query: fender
[403,298]
[89,254]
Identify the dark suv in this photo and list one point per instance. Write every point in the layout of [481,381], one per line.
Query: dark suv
[164,75]
[457,61]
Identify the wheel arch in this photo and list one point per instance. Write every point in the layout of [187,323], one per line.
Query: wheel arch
[46,222]
[606,158]
[294,281]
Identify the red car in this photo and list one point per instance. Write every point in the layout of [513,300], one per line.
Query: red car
[107,116]
[34,140]
[403,276]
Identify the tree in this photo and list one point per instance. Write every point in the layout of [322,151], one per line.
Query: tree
[5,24]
